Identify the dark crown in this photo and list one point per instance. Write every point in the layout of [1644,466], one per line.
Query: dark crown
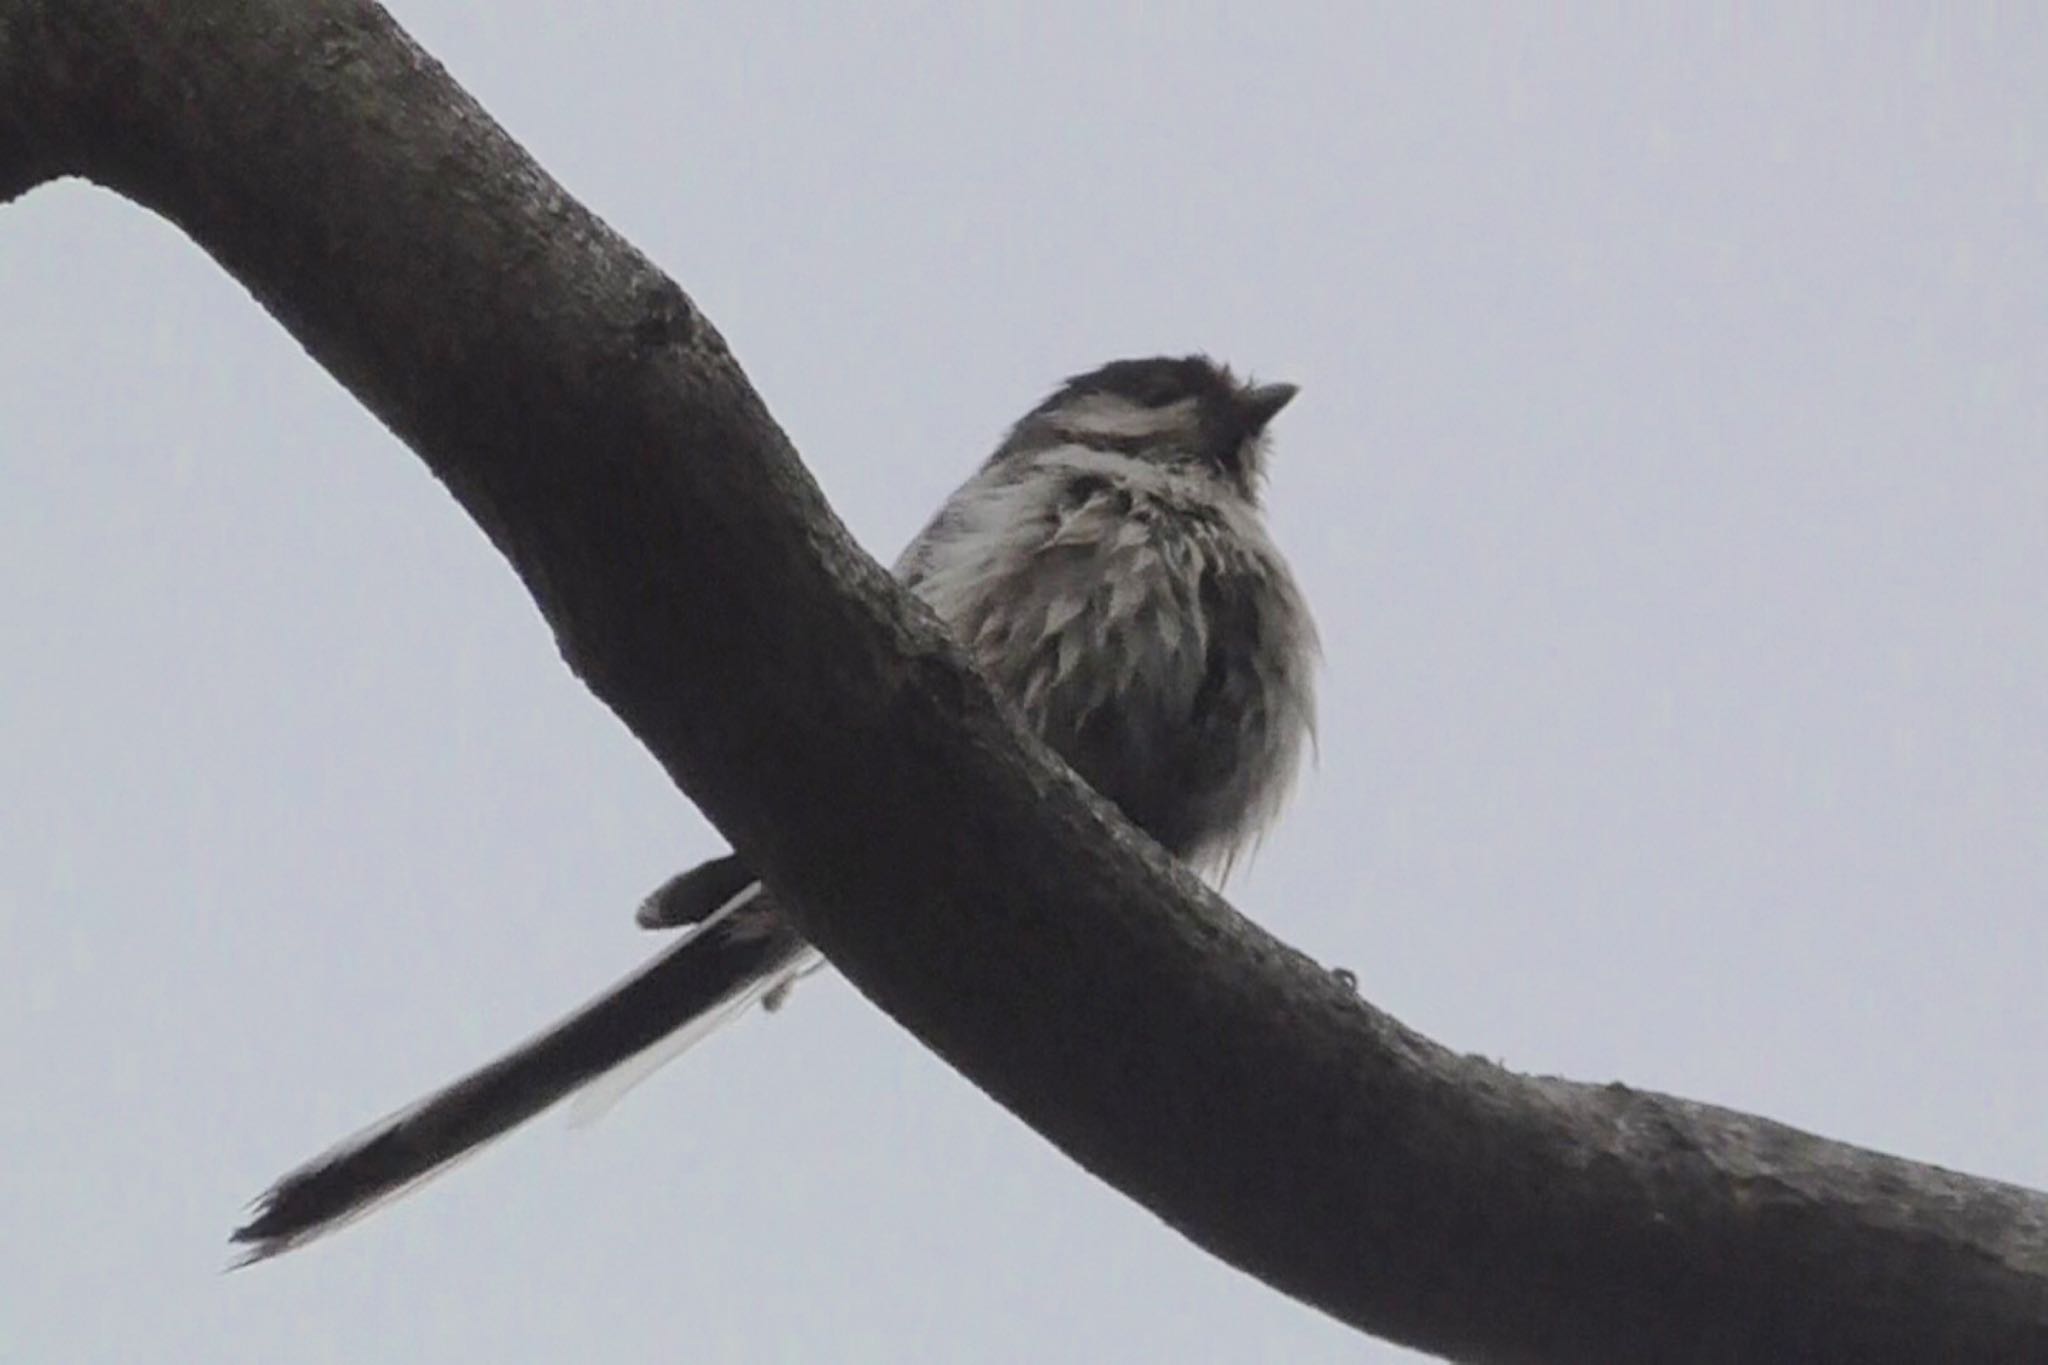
[1228,417]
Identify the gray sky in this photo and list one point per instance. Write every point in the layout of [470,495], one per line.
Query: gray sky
[1670,479]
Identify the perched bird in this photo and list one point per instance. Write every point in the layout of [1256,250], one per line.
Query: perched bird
[1108,569]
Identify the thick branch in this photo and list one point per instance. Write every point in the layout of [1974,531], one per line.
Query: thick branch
[593,423]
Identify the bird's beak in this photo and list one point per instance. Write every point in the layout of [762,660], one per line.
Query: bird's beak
[1262,404]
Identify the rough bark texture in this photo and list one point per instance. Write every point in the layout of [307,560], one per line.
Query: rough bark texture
[593,423]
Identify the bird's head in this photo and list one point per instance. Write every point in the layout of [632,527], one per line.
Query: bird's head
[1182,410]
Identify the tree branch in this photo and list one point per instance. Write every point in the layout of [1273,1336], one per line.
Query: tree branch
[594,424]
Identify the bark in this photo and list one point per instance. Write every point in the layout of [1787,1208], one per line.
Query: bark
[595,425]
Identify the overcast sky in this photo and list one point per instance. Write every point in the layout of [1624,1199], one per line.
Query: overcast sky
[1670,480]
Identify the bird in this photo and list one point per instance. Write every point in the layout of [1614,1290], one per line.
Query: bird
[1108,569]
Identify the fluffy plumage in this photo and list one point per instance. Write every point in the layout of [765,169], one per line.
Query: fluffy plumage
[1109,570]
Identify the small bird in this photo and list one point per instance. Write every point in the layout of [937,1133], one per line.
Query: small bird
[1108,569]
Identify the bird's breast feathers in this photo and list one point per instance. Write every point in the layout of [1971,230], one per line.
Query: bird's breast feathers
[1115,600]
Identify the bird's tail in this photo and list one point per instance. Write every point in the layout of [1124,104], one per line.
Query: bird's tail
[743,951]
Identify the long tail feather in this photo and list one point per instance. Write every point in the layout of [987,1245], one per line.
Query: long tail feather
[728,956]
[596,1099]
